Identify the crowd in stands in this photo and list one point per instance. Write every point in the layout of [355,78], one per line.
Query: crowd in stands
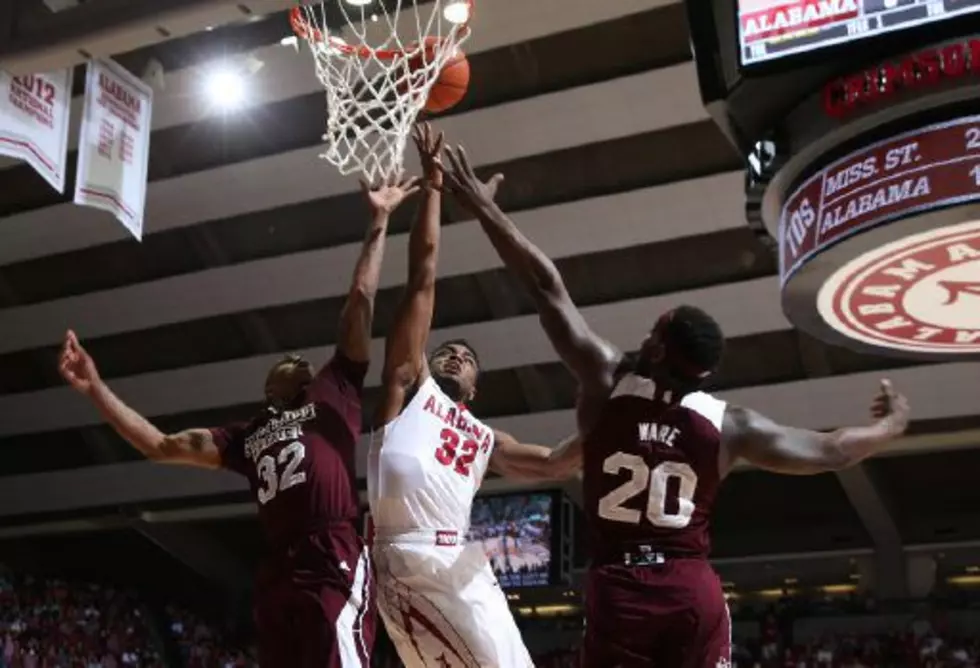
[896,650]
[53,624]
[203,646]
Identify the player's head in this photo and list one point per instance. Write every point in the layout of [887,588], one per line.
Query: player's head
[286,380]
[684,348]
[455,366]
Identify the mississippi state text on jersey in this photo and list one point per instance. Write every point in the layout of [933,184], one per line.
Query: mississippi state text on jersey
[650,471]
[426,465]
[300,462]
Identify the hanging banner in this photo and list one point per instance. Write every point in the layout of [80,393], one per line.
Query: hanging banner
[114,144]
[34,113]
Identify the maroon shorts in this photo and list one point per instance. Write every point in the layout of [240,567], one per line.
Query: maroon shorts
[670,615]
[314,606]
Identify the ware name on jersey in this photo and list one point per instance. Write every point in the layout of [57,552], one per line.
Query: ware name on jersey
[650,470]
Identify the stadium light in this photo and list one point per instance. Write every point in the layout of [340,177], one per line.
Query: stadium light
[359,3]
[225,88]
[457,12]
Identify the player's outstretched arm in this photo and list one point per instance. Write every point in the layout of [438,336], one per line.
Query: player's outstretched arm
[525,461]
[773,447]
[590,358]
[405,364]
[195,446]
[354,339]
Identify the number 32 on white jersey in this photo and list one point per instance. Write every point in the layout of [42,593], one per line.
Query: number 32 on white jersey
[654,482]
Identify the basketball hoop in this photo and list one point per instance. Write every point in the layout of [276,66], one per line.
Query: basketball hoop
[378,61]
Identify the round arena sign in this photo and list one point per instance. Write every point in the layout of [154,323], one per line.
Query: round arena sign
[919,294]
[880,250]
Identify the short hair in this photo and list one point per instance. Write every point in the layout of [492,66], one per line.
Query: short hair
[459,342]
[694,341]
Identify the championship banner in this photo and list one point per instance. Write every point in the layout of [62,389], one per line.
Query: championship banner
[34,112]
[114,144]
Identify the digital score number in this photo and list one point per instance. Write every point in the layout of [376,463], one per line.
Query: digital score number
[916,172]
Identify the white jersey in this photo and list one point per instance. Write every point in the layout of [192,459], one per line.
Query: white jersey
[426,465]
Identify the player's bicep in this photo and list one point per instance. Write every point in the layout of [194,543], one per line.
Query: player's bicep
[537,462]
[405,365]
[195,447]
[773,447]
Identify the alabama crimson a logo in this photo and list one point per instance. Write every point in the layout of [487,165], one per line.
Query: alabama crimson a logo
[918,294]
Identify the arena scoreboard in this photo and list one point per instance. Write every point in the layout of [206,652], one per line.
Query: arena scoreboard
[769,29]
[859,125]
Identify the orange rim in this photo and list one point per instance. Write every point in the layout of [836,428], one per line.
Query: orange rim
[304,30]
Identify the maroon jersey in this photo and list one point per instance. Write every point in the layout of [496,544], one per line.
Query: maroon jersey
[650,471]
[300,462]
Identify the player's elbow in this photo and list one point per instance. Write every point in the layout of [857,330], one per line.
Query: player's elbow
[834,456]
[361,296]
[167,449]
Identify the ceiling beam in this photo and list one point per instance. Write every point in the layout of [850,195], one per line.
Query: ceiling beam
[865,497]
[504,304]
[199,552]
[95,20]
[8,20]
[256,330]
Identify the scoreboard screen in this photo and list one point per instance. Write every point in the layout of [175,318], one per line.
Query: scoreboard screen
[772,29]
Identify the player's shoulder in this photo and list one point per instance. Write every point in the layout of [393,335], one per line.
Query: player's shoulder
[707,406]
[423,393]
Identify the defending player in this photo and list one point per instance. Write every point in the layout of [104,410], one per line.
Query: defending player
[438,596]
[314,593]
[655,450]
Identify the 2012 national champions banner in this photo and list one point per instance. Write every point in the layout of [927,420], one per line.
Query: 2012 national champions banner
[34,114]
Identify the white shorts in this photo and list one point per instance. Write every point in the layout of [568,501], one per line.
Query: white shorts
[442,605]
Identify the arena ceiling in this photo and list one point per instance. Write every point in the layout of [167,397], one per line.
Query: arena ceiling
[591,110]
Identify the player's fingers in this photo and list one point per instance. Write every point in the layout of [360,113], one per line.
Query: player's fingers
[465,162]
[496,180]
[886,387]
[440,143]
[454,161]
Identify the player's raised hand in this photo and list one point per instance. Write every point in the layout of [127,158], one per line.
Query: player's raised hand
[76,365]
[890,404]
[429,144]
[465,185]
[387,196]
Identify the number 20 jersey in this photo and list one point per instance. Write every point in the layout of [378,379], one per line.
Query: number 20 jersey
[426,465]
[650,471]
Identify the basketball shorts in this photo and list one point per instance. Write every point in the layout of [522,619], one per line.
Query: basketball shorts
[667,615]
[314,606]
[441,603]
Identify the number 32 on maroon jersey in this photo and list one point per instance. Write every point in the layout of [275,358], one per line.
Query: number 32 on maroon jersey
[447,452]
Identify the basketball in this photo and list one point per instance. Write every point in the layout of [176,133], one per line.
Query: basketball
[450,88]
[451,84]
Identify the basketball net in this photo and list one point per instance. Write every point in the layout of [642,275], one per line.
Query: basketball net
[378,63]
